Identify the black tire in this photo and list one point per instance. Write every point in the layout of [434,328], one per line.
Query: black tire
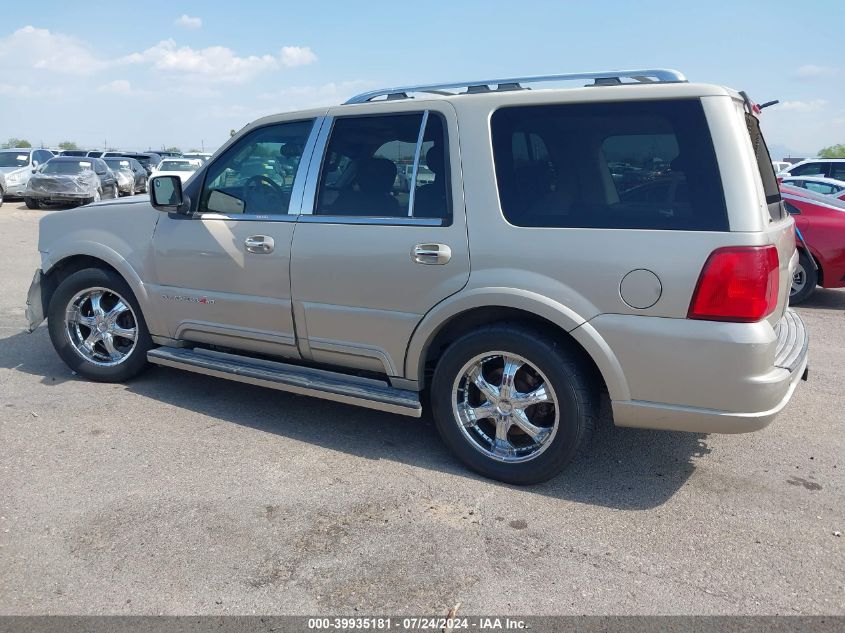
[576,391]
[79,281]
[32,203]
[811,279]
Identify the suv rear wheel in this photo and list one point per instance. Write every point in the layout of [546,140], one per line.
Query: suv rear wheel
[97,327]
[513,405]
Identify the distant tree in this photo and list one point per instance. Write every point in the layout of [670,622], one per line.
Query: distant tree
[194,150]
[834,151]
[173,149]
[68,145]
[17,142]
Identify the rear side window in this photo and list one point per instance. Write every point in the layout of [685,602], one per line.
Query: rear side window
[765,167]
[837,171]
[631,165]
[386,166]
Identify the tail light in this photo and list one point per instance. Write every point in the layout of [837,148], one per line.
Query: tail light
[737,283]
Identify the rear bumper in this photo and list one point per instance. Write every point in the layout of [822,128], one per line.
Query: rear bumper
[706,377]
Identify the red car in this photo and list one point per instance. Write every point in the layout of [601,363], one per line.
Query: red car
[820,220]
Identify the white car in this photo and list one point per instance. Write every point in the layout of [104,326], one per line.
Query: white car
[780,165]
[819,184]
[825,167]
[182,167]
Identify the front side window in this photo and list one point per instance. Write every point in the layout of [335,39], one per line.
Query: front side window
[256,175]
[373,165]
[631,165]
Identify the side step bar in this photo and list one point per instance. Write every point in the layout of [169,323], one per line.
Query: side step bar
[364,392]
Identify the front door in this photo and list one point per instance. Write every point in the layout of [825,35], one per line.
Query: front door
[223,273]
[382,236]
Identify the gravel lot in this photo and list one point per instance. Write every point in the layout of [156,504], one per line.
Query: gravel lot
[179,493]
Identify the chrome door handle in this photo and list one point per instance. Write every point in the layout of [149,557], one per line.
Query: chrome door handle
[261,244]
[437,254]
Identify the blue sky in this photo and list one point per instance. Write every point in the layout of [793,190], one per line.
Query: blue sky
[143,74]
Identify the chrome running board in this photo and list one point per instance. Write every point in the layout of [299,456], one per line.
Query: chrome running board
[363,392]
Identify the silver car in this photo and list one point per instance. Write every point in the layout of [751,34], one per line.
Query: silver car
[508,292]
[16,167]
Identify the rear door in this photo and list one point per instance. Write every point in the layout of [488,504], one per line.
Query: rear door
[371,255]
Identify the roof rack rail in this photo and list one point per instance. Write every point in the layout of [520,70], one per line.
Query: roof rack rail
[601,78]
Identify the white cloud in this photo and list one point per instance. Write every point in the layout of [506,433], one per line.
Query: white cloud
[802,106]
[42,49]
[297,56]
[215,63]
[118,86]
[30,47]
[187,22]
[812,71]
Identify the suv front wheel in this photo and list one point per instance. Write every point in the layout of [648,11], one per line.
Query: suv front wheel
[513,404]
[96,326]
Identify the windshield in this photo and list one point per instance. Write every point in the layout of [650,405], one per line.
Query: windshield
[14,159]
[177,165]
[66,167]
[117,163]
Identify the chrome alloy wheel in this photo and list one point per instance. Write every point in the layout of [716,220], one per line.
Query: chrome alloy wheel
[505,407]
[101,326]
[799,280]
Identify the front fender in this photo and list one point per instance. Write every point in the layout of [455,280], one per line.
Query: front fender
[64,250]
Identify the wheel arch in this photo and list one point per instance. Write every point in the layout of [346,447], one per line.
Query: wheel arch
[61,266]
[448,321]
[819,269]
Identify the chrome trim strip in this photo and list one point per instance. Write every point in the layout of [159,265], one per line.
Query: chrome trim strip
[283,377]
[364,220]
[299,180]
[315,162]
[661,75]
[246,218]
[413,186]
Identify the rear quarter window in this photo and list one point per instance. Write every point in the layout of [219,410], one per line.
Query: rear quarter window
[630,165]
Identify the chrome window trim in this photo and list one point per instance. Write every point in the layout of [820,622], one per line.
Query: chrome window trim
[315,164]
[303,171]
[370,220]
[246,218]
[413,186]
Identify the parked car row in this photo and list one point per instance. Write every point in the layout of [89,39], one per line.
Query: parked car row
[38,176]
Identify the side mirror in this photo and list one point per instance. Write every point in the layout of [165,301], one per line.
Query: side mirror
[34,164]
[166,194]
